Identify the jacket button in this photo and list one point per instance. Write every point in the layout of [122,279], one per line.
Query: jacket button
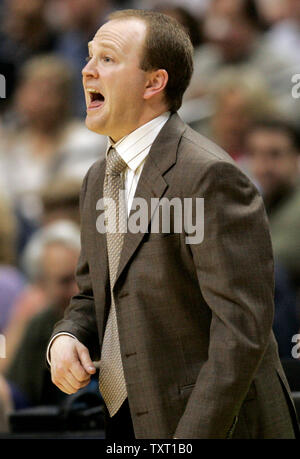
[123,294]
[140,413]
[129,354]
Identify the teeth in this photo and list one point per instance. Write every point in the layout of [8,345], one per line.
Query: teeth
[92,90]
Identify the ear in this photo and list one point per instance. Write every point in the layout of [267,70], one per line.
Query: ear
[156,83]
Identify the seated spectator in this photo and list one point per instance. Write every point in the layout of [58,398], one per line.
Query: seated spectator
[34,298]
[7,232]
[47,142]
[237,100]
[77,22]
[12,285]
[54,260]
[11,280]
[235,38]
[284,36]
[191,23]
[272,158]
[24,32]
[272,11]
[60,200]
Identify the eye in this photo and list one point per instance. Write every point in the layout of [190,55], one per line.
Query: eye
[107,59]
[88,58]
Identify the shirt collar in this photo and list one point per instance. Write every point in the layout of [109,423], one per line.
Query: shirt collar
[134,147]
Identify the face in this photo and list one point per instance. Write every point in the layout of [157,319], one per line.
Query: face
[226,27]
[40,100]
[22,15]
[272,159]
[113,82]
[58,267]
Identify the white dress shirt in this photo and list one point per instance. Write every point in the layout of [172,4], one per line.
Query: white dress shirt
[133,149]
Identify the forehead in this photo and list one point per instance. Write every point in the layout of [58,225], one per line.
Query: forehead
[125,35]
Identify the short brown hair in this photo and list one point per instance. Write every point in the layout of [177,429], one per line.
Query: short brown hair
[167,46]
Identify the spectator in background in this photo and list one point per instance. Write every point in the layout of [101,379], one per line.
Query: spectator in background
[8,233]
[284,36]
[34,298]
[273,157]
[185,18]
[234,33]
[238,99]
[12,285]
[24,32]
[272,11]
[78,20]
[51,258]
[60,200]
[11,280]
[47,142]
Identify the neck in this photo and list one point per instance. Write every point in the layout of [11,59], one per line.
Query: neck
[144,119]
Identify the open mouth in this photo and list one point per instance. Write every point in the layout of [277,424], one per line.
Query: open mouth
[96,99]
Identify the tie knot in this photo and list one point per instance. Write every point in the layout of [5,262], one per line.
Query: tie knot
[114,163]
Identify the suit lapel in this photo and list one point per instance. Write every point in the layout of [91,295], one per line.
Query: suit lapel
[97,194]
[152,184]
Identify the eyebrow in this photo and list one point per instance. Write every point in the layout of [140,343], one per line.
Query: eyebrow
[104,45]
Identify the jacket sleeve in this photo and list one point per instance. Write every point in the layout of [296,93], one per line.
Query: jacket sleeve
[234,265]
[80,316]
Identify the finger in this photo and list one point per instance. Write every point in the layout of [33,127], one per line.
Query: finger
[68,386]
[79,372]
[74,381]
[85,359]
[69,377]
[63,389]
[64,386]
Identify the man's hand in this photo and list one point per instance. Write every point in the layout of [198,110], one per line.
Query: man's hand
[71,365]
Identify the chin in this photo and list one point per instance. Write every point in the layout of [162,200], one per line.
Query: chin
[95,125]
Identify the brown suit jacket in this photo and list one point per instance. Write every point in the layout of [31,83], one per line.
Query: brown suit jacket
[200,359]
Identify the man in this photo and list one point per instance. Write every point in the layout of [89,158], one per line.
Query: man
[233,32]
[272,148]
[51,256]
[184,333]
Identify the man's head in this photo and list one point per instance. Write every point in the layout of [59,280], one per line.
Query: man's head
[232,26]
[58,264]
[43,97]
[272,148]
[240,98]
[50,259]
[140,65]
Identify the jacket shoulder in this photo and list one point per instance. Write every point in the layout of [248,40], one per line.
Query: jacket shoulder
[200,149]
[200,161]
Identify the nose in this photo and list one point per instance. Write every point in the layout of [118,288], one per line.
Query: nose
[90,70]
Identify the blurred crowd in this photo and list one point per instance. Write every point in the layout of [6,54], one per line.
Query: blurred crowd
[246,54]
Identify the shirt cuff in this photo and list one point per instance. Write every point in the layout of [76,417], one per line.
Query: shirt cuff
[49,345]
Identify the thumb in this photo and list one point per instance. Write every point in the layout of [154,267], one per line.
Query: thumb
[85,359]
